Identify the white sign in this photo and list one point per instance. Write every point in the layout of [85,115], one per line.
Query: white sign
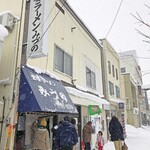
[0,49]
[36,43]
[3,34]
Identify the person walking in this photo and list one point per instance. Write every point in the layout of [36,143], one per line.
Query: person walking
[66,135]
[100,140]
[87,133]
[40,135]
[116,132]
[73,121]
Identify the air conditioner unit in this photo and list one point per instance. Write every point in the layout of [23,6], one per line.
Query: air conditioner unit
[7,20]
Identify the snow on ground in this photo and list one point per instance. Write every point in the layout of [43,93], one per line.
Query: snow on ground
[137,139]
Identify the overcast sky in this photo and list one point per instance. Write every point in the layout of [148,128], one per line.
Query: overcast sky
[98,16]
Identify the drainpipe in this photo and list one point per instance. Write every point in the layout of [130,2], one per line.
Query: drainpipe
[2,121]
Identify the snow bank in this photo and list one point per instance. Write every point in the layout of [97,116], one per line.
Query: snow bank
[3,32]
[137,139]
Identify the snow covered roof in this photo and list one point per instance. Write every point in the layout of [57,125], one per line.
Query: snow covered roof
[146,87]
[3,32]
[117,100]
[39,71]
[85,95]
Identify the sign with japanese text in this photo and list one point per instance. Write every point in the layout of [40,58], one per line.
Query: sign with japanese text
[36,37]
[39,92]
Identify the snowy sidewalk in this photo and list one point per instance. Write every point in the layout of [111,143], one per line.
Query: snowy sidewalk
[137,139]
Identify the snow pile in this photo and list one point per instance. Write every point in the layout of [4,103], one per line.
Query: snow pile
[137,139]
[3,32]
[40,71]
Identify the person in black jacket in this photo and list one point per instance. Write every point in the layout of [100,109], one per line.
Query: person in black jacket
[116,132]
[66,135]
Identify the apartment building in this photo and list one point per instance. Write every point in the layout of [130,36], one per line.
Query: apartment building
[112,82]
[131,73]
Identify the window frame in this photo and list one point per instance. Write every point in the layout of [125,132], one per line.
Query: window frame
[123,71]
[62,64]
[92,79]
[113,70]
[117,74]
[109,67]
[111,88]
[117,91]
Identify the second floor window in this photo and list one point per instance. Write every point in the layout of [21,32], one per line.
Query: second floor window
[139,90]
[90,78]
[111,88]
[62,61]
[113,70]
[109,67]
[123,70]
[116,74]
[117,92]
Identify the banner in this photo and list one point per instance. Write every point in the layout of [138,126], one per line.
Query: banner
[94,109]
[37,41]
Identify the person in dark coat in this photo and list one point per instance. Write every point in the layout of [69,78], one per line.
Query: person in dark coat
[116,132]
[66,135]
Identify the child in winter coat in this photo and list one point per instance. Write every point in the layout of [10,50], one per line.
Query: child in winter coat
[100,140]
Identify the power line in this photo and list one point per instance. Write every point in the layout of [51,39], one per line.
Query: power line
[114,19]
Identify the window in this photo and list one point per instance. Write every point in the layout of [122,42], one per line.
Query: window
[63,61]
[109,67]
[139,90]
[116,74]
[111,88]
[90,78]
[117,91]
[113,70]
[123,70]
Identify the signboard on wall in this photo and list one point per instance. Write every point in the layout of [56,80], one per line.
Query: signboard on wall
[0,49]
[121,105]
[94,109]
[38,23]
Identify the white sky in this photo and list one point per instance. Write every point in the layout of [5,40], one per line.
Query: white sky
[98,16]
[137,139]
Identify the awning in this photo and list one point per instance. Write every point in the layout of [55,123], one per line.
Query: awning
[116,100]
[42,93]
[86,99]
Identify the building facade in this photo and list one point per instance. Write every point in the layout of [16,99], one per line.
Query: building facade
[131,73]
[48,35]
[12,19]
[58,42]
[112,82]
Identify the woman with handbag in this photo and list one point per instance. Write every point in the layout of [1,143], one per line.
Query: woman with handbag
[116,132]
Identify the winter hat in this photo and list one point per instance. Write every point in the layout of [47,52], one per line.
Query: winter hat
[43,122]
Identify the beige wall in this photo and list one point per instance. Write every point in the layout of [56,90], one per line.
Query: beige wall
[10,60]
[76,43]
[111,56]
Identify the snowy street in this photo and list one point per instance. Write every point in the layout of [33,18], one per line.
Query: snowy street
[137,139]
